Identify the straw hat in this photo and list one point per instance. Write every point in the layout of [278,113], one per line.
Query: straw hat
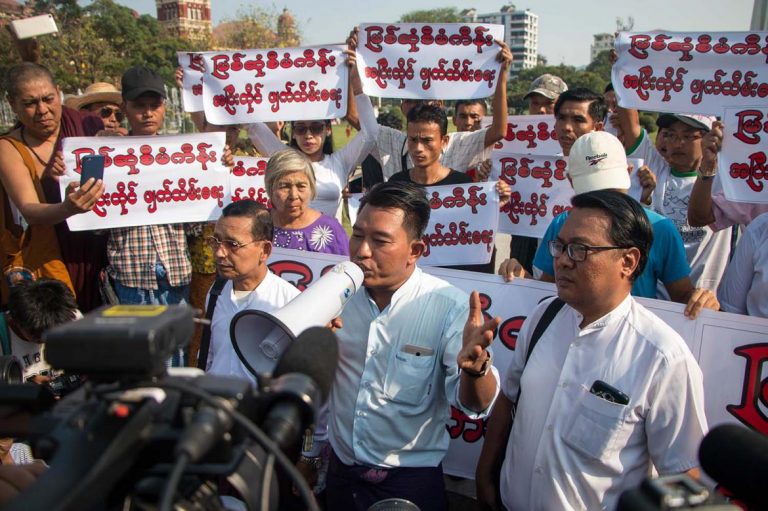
[95,93]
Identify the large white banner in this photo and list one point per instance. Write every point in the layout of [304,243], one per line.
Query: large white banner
[246,181]
[463,222]
[530,134]
[429,61]
[743,169]
[540,191]
[732,350]
[192,92]
[278,84]
[685,72]
[151,180]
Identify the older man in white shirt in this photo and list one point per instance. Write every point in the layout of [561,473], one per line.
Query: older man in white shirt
[241,244]
[608,390]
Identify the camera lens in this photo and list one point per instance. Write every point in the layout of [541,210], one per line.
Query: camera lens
[10,370]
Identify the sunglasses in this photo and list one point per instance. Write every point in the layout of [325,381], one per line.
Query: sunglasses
[106,112]
[316,129]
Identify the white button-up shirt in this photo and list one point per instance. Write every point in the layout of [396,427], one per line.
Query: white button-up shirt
[570,449]
[398,374]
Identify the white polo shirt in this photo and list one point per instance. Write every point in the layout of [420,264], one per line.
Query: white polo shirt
[570,449]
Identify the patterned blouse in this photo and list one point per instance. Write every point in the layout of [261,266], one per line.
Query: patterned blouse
[324,235]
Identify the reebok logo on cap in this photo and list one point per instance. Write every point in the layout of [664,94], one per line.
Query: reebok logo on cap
[594,160]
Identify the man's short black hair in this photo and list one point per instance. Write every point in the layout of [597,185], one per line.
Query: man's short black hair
[597,109]
[261,220]
[629,223]
[38,305]
[424,112]
[23,73]
[608,88]
[470,102]
[408,197]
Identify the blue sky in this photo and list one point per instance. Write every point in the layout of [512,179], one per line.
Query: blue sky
[565,26]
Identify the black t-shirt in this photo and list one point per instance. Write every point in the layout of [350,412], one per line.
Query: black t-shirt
[453,178]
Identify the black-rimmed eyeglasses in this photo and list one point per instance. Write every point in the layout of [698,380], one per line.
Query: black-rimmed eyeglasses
[575,251]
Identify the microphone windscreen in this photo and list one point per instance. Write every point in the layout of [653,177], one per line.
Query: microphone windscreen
[314,353]
[737,458]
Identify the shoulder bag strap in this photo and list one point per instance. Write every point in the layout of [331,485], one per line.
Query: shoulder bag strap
[205,341]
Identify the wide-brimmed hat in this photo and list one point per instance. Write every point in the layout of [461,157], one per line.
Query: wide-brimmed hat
[95,93]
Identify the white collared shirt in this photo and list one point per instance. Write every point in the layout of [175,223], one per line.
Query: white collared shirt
[270,295]
[398,374]
[570,449]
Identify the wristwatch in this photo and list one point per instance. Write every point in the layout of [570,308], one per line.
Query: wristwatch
[483,370]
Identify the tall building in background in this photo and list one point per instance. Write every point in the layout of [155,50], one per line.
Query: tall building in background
[521,31]
[184,18]
[600,43]
[759,15]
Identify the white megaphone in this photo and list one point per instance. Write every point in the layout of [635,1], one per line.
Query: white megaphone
[260,338]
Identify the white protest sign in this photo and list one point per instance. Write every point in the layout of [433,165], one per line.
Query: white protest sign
[530,134]
[540,191]
[429,61]
[731,350]
[635,188]
[463,222]
[743,169]
[192,92]
[682,72]
[151,180]
[278,84]
[246,181]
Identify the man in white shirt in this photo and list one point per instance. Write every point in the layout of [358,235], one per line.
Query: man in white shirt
[241,244]
[608,390]
[676,173]
[408,349]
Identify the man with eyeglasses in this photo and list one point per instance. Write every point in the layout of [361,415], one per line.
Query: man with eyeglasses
[598,162]
[102,99]
[609,389]
[241,244]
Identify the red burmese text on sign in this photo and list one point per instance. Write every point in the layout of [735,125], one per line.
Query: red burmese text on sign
[377,36]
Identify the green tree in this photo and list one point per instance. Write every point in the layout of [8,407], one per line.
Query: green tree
[441,15]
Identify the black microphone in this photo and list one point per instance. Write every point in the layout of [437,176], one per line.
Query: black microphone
[737,458]
[303,379]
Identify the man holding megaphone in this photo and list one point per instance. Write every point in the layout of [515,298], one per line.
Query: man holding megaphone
[411,345]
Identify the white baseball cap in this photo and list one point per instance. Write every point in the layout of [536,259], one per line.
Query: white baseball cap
[598,162]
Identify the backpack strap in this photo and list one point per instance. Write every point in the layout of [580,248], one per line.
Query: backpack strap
[205,341]
[546,319]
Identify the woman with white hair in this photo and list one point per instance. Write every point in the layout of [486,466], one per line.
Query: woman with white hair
[291,186]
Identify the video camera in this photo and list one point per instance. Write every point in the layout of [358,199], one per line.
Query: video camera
[133,436]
